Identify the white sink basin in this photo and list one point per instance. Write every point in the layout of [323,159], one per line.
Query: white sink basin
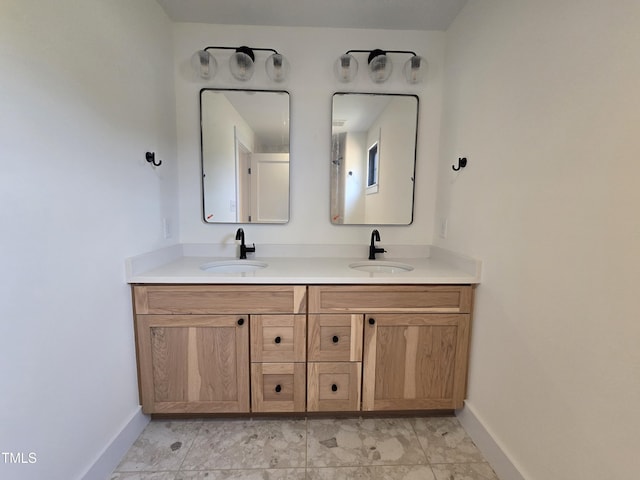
[233,266]
[381,266]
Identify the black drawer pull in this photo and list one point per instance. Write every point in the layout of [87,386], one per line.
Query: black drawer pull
[241,321]
[278,388]
[334,388]
[372,321]
[335,339]
[277,339]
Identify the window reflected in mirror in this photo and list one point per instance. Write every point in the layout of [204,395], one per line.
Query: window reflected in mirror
[245,155]
[373,156]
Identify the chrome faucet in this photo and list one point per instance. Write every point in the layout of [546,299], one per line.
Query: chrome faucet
[243,248]
[375,237]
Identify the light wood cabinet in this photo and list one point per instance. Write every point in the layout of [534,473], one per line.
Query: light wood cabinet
[193,343]
[295,348]
[416,340]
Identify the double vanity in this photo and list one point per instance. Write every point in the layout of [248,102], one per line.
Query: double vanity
[307,328]
[309,332]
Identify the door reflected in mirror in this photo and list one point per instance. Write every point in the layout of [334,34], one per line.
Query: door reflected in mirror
[245,155]
[373,156]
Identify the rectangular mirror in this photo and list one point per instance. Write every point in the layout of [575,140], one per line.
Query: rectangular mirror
[245,155]
[373,157]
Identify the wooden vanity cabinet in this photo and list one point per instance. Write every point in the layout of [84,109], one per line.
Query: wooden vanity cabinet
[290,348]
[416,341]
[193,342]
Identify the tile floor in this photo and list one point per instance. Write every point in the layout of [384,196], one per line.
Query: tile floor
[432,448]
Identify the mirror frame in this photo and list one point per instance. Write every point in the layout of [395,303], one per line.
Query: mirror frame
[415,154]
[202,170]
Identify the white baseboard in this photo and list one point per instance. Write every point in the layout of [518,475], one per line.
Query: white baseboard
[493,453]
[117,448]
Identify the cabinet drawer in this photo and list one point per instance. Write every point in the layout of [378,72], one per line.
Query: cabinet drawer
[390,298]
[278,338]
[278,387]
[216,299]
[335,338]
[334,387]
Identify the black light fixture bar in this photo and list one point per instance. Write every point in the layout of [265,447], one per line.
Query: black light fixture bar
[243,49]
[378,51]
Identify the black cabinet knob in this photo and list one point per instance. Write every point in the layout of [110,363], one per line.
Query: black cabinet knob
[277,339]
[372,321]
[335,339]
[241,321]
[334,388]
[278,388]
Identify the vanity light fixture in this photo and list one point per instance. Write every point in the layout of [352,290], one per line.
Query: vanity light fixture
[241,63]
[379,66]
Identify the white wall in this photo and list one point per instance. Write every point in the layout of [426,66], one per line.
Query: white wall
[86,87]
[543,99]
[311,53]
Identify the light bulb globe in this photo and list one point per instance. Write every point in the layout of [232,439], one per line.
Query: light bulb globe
[345,68]
[242,66]
[415,69]
[380,68]
[204,64]
[277,67]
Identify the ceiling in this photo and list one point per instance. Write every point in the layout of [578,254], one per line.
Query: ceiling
[376,14]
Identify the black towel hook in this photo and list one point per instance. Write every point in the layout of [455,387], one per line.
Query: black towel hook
[151,158]
[462,162]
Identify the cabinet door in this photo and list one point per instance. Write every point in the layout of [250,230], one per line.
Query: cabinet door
[193,363]
[414,361]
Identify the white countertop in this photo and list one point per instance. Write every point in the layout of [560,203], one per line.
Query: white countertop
[310,265]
